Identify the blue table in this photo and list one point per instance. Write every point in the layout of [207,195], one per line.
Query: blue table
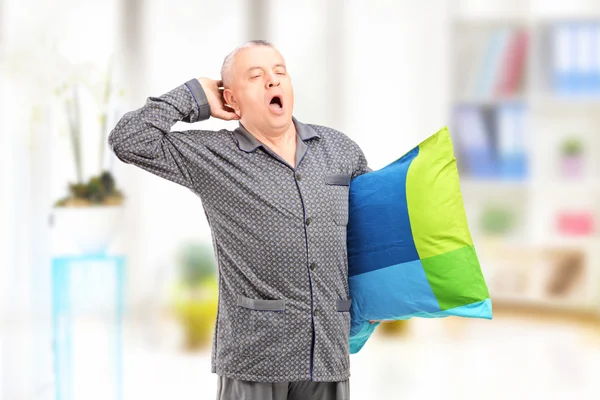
[87,310]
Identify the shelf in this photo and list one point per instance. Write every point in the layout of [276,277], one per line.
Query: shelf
[537,21]
[532,118]
[556,304]
[490,21]
[519,12]
[562,101]
[544,20]
[489,102]
[471,184]
[586,185]
[567,242]
[516,243]
[544,100]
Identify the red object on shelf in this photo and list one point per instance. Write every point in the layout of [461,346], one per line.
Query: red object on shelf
[513,64]
[576,223]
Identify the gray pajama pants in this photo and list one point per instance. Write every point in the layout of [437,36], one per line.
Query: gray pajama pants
[236,389]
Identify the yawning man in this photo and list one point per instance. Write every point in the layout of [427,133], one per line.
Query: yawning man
[275,194]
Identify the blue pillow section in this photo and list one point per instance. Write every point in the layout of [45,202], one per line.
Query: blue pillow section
[378,218]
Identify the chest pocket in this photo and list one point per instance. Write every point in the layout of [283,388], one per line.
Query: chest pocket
[338,186]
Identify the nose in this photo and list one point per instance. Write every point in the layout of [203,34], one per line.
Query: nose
[272,80]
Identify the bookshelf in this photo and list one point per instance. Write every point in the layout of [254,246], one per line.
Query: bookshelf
[525,119]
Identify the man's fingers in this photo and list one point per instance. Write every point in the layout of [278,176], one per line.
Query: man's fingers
[226,115]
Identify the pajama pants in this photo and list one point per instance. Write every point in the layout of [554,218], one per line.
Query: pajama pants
[236,389]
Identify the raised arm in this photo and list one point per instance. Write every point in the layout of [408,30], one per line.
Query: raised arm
[143,137]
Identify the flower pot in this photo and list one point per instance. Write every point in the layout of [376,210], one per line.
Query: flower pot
[92,228]
[572,166]
[393,328]
[196,309]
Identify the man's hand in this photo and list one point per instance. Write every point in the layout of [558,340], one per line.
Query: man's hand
[214,94]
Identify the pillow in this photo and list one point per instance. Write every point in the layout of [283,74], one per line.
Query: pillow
[410,252]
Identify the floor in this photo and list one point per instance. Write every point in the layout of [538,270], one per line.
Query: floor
[511,357]
[514,356]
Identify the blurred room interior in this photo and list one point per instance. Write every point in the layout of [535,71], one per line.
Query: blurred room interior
[119,300]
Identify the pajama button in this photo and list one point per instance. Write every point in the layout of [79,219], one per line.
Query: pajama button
[315,312]
[308,220]
[313,266]
[299,177]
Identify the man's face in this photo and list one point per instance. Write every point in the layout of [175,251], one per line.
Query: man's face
[262,90]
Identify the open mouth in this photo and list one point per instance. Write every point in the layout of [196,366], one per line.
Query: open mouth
[276,103]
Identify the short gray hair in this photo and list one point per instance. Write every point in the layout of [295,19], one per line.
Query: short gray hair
[226,73]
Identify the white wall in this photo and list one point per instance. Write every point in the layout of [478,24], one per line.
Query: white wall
[397,75]
[375,70]
[178,46]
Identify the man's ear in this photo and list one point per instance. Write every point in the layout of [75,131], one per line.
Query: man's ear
[230,99]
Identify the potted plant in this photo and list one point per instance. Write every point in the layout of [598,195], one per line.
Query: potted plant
[394,328]
[572,158]
[91,213]
[497,221]
[195,293]
[92,209]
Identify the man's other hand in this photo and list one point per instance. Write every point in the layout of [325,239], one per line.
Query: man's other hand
[214,94]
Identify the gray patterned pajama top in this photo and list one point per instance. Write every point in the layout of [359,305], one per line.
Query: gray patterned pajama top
[278,232]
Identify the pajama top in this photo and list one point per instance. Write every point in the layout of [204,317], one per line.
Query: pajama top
[278,233]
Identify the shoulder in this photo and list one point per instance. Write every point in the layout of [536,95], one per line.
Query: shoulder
[334,136]
[338,140]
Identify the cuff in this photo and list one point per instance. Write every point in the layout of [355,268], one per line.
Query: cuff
[195,88]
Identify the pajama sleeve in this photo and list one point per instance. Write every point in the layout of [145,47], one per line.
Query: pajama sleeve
[143,137]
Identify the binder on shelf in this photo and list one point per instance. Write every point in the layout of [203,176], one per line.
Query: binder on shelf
[500,64]
[473,68]
[562,52]
[492,62]
[583,60]
[595,55]
[475,144]
[575,48]
[513,65]
[512,151]
[491,141]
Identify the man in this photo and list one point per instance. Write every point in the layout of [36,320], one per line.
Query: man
[275,193]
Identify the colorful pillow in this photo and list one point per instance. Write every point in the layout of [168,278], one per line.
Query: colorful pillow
[410,252]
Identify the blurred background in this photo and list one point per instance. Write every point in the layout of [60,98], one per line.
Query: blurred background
[107,276]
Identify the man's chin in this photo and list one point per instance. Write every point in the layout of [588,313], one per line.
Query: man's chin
[280,121]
